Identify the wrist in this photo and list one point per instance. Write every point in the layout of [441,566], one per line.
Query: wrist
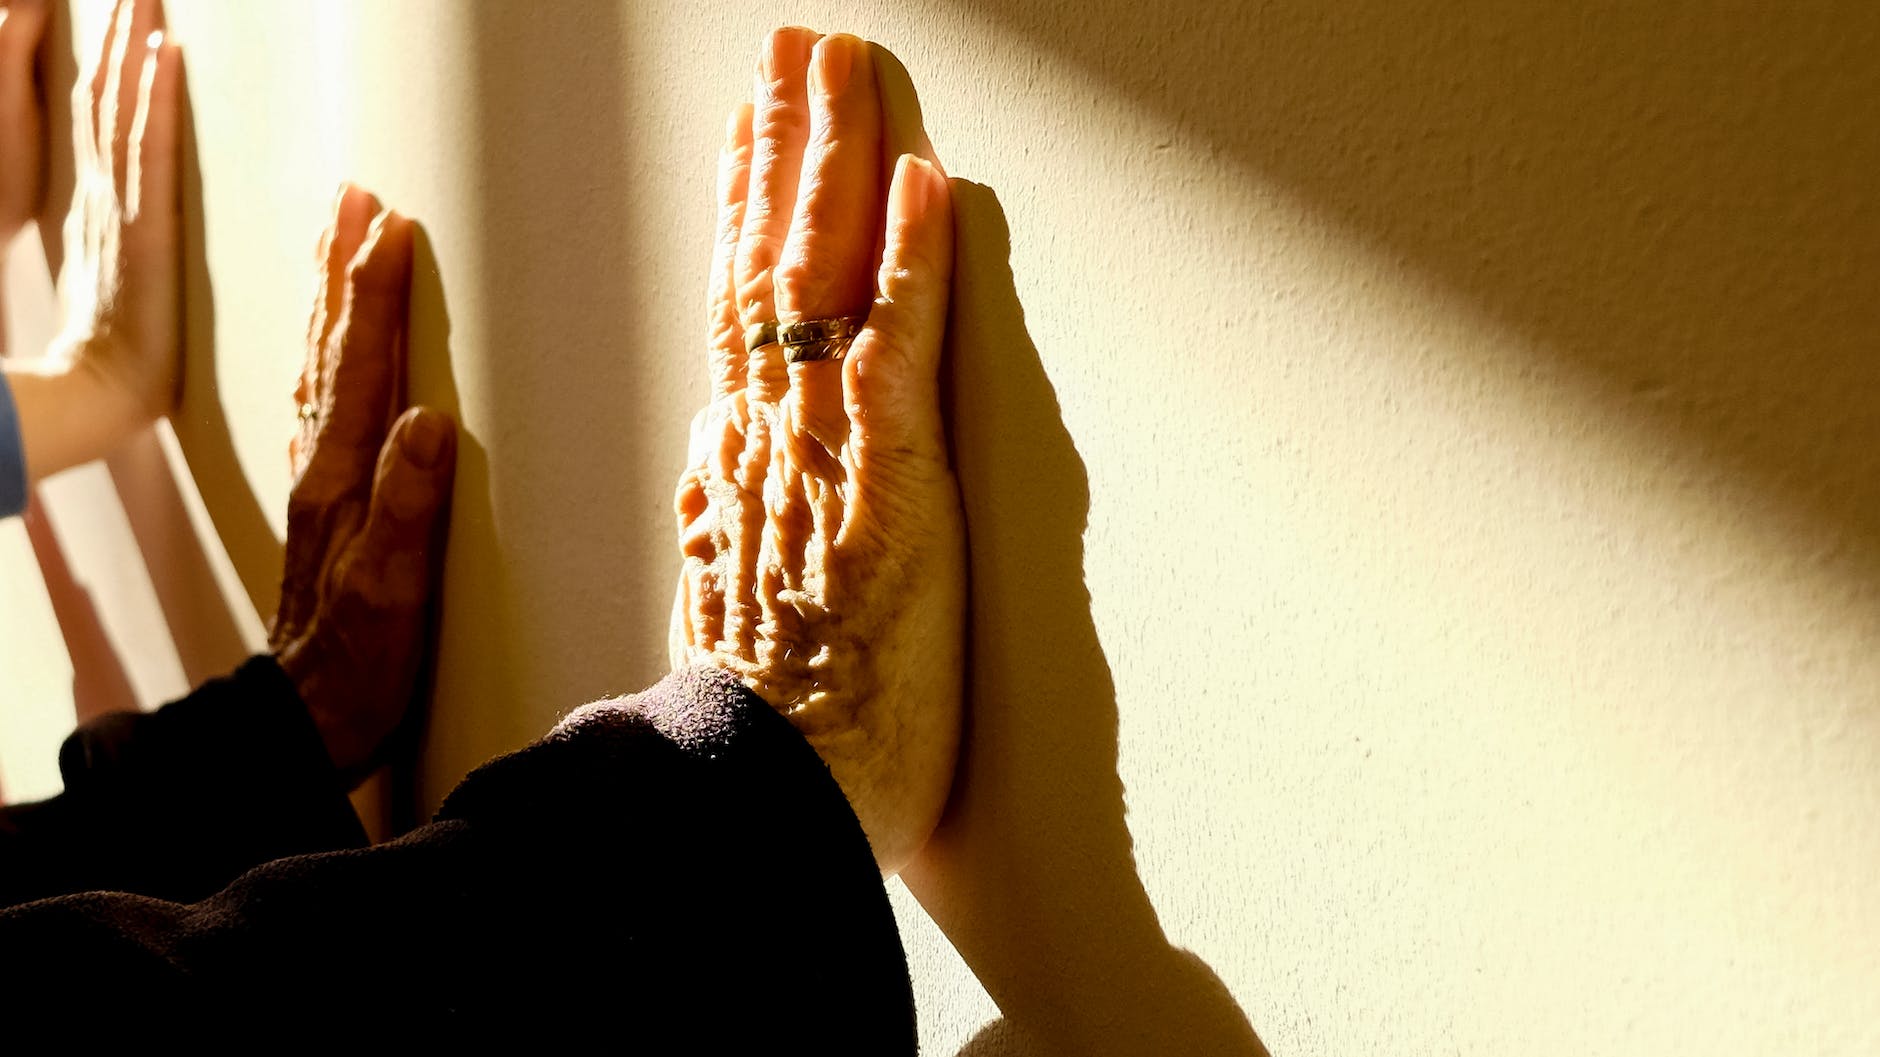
[70,411]
[351,736]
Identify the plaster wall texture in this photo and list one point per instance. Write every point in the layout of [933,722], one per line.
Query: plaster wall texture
[1422,465]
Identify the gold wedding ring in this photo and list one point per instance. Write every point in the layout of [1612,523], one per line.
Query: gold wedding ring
[806,340]
[810,340]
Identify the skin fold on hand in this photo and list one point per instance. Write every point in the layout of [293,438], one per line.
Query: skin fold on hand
[367,516]
[819,519]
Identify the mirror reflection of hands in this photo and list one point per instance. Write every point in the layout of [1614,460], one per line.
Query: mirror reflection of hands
[367,516]
[122,237]
[819,519]
[115,368]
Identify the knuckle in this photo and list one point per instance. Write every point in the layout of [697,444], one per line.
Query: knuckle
[885,355]
[783,121]
[904,276]
[758,246]
[690,501]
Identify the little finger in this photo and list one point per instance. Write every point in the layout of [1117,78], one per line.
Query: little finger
[151,182]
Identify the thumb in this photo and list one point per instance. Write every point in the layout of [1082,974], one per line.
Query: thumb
[891,378]
[404,531]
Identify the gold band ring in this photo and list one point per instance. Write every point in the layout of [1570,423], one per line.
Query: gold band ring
[810,340]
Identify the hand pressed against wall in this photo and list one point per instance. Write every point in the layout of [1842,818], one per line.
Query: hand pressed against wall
[114,369]
[122,235]
[369,507]
[819,520]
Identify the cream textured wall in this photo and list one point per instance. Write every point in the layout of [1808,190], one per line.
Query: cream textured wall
[1423,463]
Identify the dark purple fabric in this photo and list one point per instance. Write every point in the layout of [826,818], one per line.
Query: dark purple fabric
[674,872]
[176,803]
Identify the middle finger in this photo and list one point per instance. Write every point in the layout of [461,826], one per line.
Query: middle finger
[828,266]
[779,129]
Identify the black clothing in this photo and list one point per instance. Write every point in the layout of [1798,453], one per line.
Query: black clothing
[673,872]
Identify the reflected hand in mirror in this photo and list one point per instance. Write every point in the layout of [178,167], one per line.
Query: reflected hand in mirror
[819,520]
[115,368]
[367,515]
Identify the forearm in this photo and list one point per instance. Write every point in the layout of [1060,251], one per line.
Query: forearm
[70,412]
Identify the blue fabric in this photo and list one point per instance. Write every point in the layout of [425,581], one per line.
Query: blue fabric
[12,455]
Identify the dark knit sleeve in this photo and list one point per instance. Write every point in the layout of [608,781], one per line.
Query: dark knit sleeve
[178,802]
[674,872]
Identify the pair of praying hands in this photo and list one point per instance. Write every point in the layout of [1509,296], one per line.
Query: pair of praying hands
[819,524]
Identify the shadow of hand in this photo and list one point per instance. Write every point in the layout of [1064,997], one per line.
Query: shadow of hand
[1032,874]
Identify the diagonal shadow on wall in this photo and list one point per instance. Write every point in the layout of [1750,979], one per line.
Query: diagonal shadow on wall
[201,422]
[1032,874]
[1676,201]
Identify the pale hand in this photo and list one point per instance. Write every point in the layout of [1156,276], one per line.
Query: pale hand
[819,519]
[122,237]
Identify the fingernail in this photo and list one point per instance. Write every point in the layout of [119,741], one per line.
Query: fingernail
[424,438]
[835,57]
[914,184]
[787,52]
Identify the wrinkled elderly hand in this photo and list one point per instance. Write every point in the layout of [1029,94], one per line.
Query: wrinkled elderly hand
[22,115]
[369,507]
[820,523]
